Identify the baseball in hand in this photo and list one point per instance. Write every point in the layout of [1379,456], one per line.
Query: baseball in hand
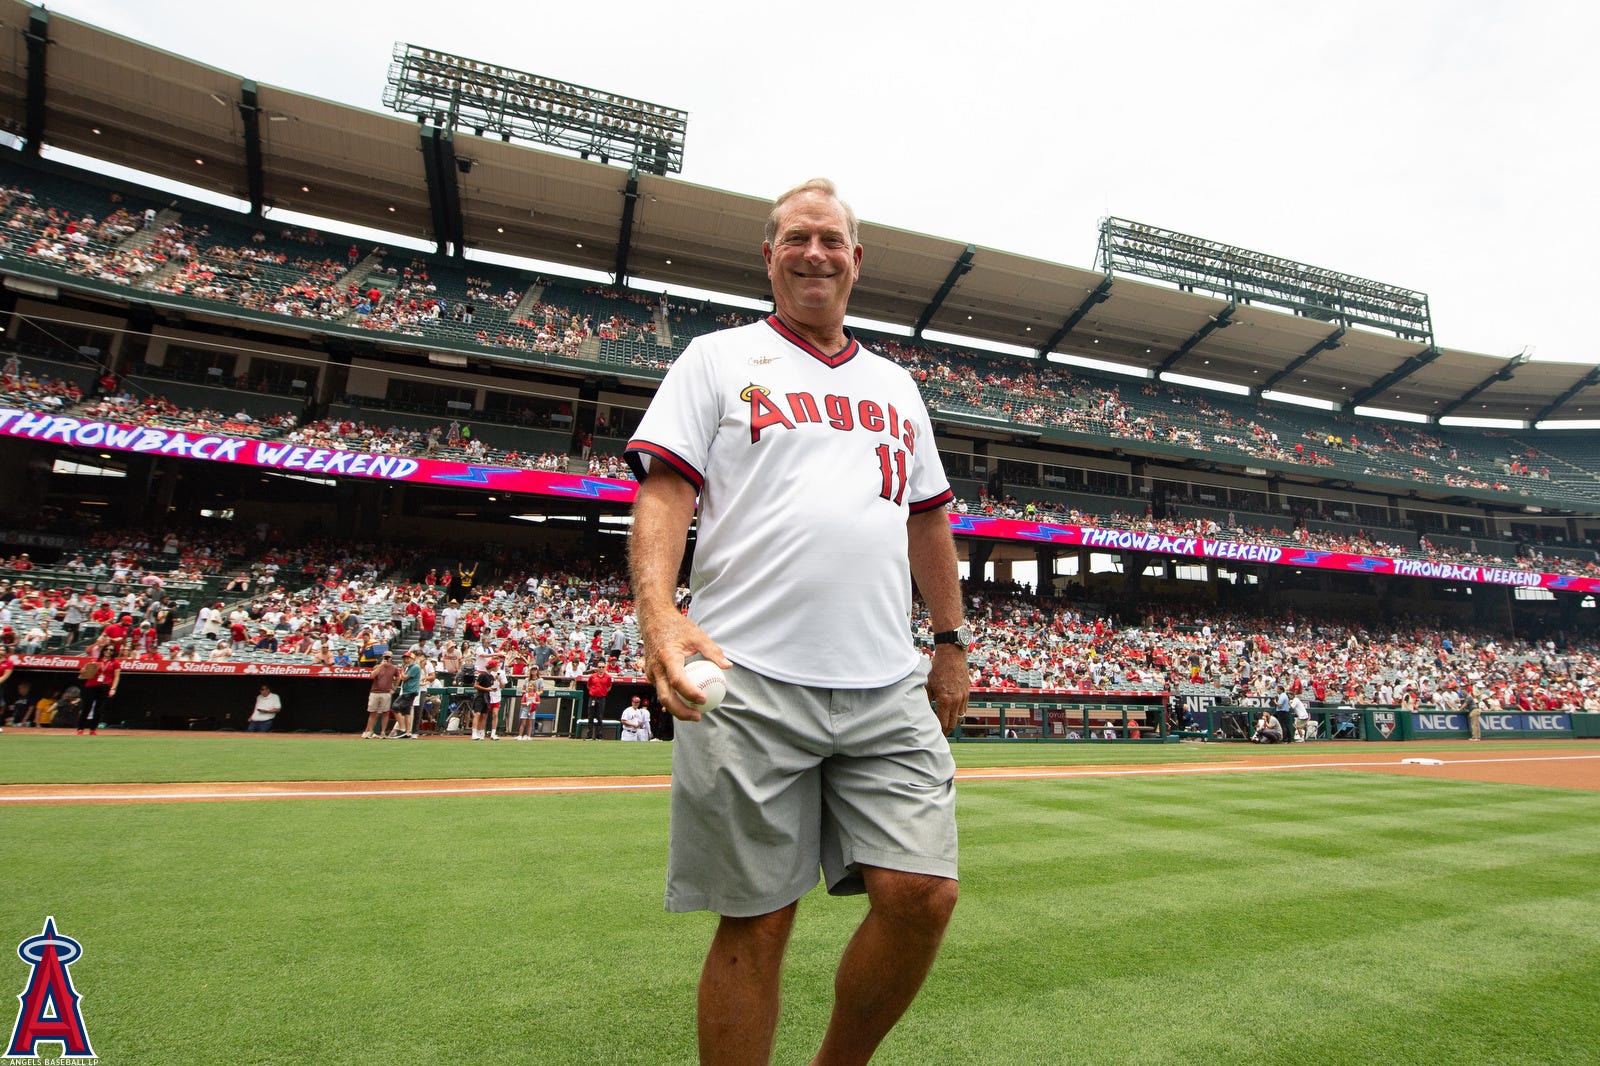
[710,679]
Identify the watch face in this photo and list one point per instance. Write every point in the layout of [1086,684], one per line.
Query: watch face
[960,637]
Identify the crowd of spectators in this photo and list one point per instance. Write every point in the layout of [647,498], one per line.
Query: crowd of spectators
[81,243]
[1050,395]
[323,600]
[35,392]
[125,406]
[564,621]
[265,278]
[1024,640]
[460,442]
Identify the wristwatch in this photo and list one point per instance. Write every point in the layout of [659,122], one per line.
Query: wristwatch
[961,637]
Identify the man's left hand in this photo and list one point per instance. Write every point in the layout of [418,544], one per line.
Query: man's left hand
[949,685]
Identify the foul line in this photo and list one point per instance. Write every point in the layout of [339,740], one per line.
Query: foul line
[342,793]
[1019,774]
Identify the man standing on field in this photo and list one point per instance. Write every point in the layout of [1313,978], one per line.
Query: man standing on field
[380,694]
[821,497]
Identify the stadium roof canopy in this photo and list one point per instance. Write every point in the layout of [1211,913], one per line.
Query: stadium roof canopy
[76,87]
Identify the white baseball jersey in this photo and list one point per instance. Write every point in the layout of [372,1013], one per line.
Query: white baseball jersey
[807,465]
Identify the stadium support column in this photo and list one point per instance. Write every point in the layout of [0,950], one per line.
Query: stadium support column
[440,164]
[362,509]
[583,414]
[1491,605]
[333,380]
[593,538]
[630,199]
[1133,567]
[978,552]
[24,488]
[38,37]
[8,313]
[1411,365]
[1044,562]
[1571,618]
[958,270]
[166,488]
[254,172]
[132,343]
[133,503]
[1100,294]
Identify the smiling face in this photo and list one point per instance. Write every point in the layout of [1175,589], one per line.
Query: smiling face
[812,262]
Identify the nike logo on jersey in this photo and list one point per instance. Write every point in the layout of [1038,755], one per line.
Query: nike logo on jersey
[837,412]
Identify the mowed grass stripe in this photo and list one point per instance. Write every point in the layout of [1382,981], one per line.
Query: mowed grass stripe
[1315,917]
[48,756]
[1333,955]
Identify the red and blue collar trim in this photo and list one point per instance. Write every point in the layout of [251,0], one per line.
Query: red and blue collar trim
[839,358]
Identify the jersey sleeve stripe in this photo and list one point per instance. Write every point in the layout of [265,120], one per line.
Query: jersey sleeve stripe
[637,449]
[938,501]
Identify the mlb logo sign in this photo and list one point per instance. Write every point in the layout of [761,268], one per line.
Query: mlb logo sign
[48,1011]
[1384,721]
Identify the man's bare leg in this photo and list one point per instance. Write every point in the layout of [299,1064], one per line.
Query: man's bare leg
[739,988]
[886,961]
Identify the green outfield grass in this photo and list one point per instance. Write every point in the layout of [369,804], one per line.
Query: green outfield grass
[1313,917]
[47,755]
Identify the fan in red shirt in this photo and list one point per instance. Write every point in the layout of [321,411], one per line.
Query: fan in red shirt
[115,635]
[99,690]
[599,687]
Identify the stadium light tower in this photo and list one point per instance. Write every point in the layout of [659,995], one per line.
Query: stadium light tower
[1240,274]
[463,94]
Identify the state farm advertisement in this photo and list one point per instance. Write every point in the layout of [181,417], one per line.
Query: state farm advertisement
[182,669]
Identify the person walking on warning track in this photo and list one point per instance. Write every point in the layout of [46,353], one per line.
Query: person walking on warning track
[600,682]
[99,689]
[821,497]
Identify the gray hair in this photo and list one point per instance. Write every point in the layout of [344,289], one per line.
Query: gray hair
[820,187]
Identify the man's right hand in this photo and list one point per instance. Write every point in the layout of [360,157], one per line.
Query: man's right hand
[668,642]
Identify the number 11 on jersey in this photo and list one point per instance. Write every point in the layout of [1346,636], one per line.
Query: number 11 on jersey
[894,480]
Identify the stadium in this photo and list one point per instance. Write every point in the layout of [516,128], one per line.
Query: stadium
[1192,480]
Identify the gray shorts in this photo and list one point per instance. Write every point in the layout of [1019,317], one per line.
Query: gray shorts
[783,779]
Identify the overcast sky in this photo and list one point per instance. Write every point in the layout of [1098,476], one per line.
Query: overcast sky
[1447,147]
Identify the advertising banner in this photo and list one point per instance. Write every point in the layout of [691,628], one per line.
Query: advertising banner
[294,458]
[1425,723]
[181,669]
[330,462]
[1070,535]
